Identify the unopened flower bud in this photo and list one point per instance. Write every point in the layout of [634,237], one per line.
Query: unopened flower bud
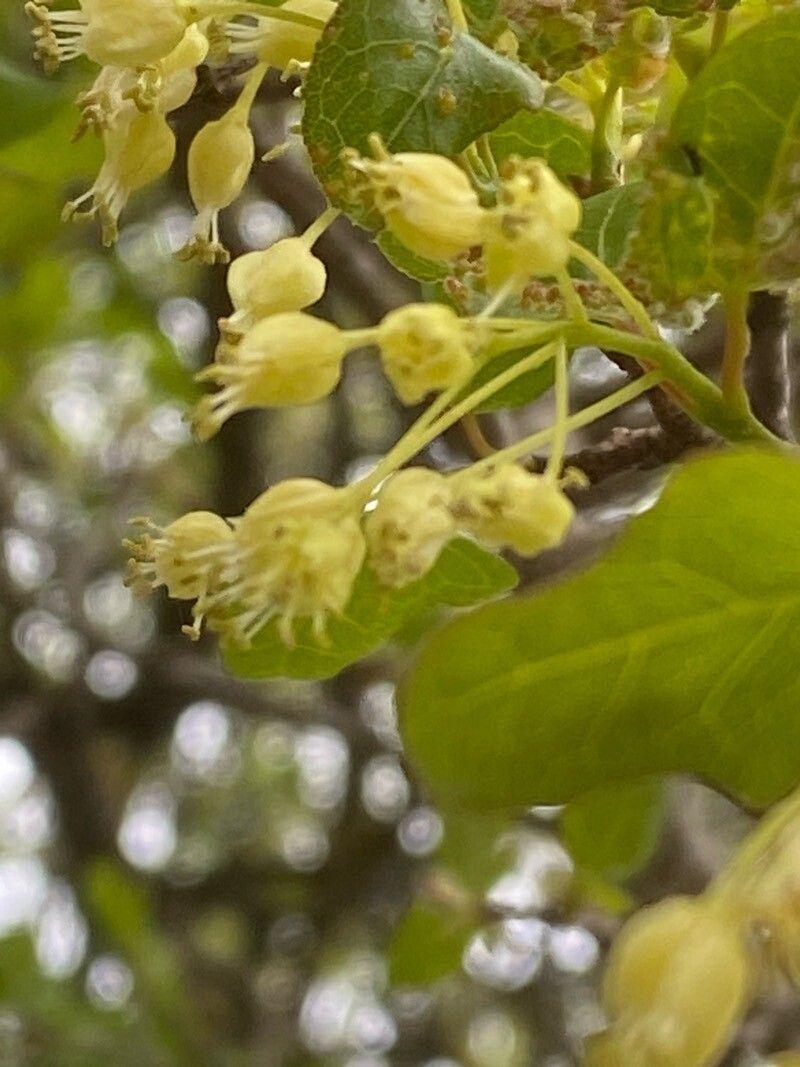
[183,556]
[299,550]
[286,359]
[137,153]
[410,525]
[676,982]
[639,57]
[220,159]
[528,233]
[278,42]
[509,506]
[110,32]
[285,277]
[425,348]
[427,202]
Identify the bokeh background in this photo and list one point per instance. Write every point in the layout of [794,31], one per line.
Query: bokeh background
[200,871]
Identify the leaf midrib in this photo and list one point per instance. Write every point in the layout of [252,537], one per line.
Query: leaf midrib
[555,664]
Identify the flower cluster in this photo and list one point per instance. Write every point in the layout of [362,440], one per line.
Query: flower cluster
[430,205]
[149,52]
[297,550]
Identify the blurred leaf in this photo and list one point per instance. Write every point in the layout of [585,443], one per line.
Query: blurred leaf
[427,944]
[674,244]
[35,174]
[123,911]
[563,144]
[612,831]
[386,68]
[672,654]
[26,102]
[463,575]
[739,120]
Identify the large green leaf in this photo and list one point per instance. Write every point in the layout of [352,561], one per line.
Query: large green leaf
[612,831]
[547,135]
[609,219]
[394,67]
[739,121]
[674,243]
[675,653]
[464,574]
[26,102]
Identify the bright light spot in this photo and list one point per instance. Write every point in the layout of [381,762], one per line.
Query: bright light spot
[420,832]
[573,949]
[109,983]
[385,791]
[110,674]
[29,562]
[47,644]
[303,843]
[497,958]
[35,504]
[185,322]
[263,222]
[493,1040]
[61,935]
[147,836]
[323,763]
[23,888]
[17,771]
[540,875]
[378,712]
[201,741]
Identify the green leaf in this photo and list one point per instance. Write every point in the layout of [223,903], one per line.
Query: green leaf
[523,390]
[674,243]
[427,944]
[739,119]
[563,144]
[423,270]
[608,222]
[463,575]
[395,68]
[675,654]
[26,103]
[612,831]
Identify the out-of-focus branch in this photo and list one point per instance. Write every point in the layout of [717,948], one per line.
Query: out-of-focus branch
[769,372]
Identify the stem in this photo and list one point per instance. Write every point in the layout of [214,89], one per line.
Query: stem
[572,302]
[556,460]
[719,31]
[689,388]
[737,348]
[695,393]
[574,422]
[603,156]
[320,225]
[487,155]
[604,274]
[252,84]
[434,422]
[457,16]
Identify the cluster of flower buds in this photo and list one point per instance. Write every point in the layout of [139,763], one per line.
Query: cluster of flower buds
[149,52]
[677,981]
[296,552]
[429,204]
[272,353]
